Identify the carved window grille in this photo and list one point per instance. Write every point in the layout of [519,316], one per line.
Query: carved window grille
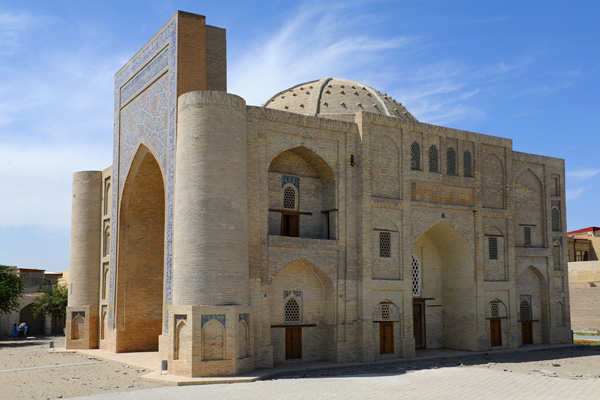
[468,164]
[555,220]
[525,308]
[556,256]
[433,159]
[493,248]
[385,311]
[415,156]
[451,161]
[289,197]
[495,310]
[527,235]
[416,277]
[385,244]
[292,311]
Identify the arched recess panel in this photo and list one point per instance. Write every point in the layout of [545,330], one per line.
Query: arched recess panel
[140,267]
[181,350]
[77,327]
[448,281]
[213,341]
[313,292]
[243,339]
[492,182]
[529,212]
[532,289]
[313,180]
[385,168]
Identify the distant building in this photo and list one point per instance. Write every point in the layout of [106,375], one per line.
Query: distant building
[584,278]
[36,281]
[583,244]
[327,225]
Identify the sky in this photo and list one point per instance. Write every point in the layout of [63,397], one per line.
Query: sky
[524,70]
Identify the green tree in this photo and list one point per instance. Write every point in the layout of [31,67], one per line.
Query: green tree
[52,303]
[11,289]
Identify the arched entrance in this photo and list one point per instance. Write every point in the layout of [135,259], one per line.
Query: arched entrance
[35,325]
[532,306]
[302,309]
[444,290]
[140,268]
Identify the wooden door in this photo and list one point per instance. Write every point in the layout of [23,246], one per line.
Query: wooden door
[419,325]
[386,337]
[527,332]
[293,342]
[290,224]
[496,332]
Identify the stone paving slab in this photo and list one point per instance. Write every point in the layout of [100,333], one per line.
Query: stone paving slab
[442,383]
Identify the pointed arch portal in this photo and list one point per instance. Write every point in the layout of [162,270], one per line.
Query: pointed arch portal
[447,282]
[140,267]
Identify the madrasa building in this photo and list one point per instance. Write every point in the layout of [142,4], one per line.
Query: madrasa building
[327,225]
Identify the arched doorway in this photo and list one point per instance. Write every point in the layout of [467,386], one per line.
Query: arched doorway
[140,268]
[532,306]
[35,325]
[444,290]
[302,309]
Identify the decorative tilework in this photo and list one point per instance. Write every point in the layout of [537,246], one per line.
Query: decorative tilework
[179,317]
[245,318]
[154,68]
[287,293]
[163,44]
[76,313]
[219,317]
[294,180]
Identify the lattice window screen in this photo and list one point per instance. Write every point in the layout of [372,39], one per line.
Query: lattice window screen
[451,162]
[493,248]
[555,220]
[385,311]
[385,244]
[289,198]
[527,235]
[415,156]
[495,310]
[556,257]
[292,311]
[433,159]
[468,164]
[525,309]
[416,276]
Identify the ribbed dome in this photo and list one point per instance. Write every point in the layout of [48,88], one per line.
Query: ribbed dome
[337,99]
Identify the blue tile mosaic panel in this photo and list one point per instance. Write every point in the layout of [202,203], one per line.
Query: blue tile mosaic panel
[294,180]
[219,317]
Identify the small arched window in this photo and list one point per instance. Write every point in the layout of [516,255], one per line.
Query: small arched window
[468,164]
[555,219]
[433,159]
[556,256]
[416,277]
[525,309]
[106,241]
[290,197]
[415,156]
[451,161]
[292,310]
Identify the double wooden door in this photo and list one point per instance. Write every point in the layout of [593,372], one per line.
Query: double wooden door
[293,342]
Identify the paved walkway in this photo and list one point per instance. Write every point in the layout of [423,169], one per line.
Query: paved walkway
[442,383]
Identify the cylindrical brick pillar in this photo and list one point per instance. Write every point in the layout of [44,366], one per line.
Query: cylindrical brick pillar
[86,232]
[210,223]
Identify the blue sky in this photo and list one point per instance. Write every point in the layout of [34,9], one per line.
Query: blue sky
[525,70]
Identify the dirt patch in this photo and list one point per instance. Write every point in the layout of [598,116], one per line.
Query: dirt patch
[41,375]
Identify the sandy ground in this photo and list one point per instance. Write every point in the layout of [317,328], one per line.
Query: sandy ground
[61,380]
[28,371]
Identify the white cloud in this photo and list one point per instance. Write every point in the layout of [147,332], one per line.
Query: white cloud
[582,174]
